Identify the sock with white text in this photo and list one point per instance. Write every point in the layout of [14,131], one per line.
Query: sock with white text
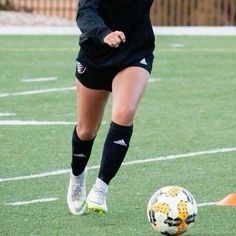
[81,151]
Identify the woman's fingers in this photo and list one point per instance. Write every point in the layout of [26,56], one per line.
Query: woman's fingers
[114,39]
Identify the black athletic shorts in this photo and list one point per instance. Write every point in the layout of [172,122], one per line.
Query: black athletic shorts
[101,78]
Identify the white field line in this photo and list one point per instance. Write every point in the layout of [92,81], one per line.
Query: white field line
[167,49]
[36,123]
[207,204]
[44,200]
[52,199]
[197,50]
[7,114]
[20,203]
[162,158]
[195,31]
[51,90]
[177,45]
[40,91]
[151,80]
[33,122]
[160,30]
[38,79]
[41,49]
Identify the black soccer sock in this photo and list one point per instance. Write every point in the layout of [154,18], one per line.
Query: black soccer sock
[81,151]
[114,151]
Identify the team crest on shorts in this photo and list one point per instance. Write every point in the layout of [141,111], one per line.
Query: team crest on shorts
[80,68]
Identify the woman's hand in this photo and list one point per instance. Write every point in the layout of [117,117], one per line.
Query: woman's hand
[114,39]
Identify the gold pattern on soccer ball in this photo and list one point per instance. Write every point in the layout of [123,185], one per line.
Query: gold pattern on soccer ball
[172,210]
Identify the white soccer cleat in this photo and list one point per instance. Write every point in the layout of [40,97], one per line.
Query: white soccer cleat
[96,199]
[76,196]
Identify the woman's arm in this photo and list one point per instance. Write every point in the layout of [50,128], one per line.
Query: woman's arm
[89,22]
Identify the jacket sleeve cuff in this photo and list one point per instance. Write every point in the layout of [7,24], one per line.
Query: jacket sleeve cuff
[102,34]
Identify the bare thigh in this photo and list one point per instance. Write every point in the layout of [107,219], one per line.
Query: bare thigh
[127,89]
[90,108]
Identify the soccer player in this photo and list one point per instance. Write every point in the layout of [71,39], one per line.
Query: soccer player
[115,57]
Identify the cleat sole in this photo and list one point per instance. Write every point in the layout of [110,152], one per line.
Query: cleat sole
[96,209]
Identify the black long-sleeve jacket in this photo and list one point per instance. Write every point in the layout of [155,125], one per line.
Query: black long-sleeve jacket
[97,18]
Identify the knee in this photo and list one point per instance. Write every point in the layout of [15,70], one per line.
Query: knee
[124,115]
[85,133]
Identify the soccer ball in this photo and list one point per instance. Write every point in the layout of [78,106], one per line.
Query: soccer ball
[172,210]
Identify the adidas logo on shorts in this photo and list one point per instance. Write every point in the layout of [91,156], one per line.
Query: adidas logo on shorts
[143,61]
